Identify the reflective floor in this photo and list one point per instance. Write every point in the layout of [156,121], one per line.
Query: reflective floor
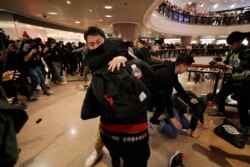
[62,139]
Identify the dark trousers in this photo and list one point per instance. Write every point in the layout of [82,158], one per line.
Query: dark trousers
[37,78]
[225,91]
[243,97]
[132,148]
[56,69]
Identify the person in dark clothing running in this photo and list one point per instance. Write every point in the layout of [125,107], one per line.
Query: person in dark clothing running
[165,79]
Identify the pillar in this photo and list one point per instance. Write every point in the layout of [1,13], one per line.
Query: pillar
[186,40]
[126,31]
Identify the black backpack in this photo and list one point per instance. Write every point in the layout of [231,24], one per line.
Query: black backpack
[124,98]
[232,133]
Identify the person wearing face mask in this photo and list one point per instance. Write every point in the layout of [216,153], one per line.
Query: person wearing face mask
[134,150]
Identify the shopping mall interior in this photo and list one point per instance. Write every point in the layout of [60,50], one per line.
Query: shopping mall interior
[55,135]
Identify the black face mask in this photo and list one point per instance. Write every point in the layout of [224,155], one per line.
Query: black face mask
[98,51]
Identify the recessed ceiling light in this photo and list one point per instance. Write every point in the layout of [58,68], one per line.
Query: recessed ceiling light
[52,13]
[108,16]
[100,20]
[232,6]
[90,10]
[108,7]
[215,5]
[77,22]
[68,2]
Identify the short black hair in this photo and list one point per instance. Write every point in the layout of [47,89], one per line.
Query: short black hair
[94,31]
[235,37]
[184,59]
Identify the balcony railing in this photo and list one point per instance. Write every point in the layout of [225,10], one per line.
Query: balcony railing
[243,18]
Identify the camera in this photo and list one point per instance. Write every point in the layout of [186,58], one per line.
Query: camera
[29,44]
[215,60]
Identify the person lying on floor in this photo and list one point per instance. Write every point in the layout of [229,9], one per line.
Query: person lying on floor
[180,107]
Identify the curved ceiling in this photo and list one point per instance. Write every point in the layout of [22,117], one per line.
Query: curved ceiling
[80,14]
[213,5]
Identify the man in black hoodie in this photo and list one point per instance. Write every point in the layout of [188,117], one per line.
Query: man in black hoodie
[126,141]
[166,78]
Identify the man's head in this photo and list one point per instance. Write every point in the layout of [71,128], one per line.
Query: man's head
[182,63]
[234,40]
[12,46]
[247,34]
[94,37]
[141,43]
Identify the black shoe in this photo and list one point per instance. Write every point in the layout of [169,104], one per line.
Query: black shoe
[217,114]
[154,121]
[32,98]
[176,160]
[47,93]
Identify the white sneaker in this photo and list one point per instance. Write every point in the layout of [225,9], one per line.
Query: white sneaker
[93,159]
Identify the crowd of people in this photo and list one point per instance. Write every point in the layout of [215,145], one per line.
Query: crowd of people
[38,64]
[26,65]
[196,49]
[190,15]
[129,141]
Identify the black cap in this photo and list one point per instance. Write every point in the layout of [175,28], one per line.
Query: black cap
[235,36]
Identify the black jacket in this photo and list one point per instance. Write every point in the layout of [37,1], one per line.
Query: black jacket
[164,81]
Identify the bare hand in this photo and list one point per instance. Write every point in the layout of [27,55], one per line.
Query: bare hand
[34,50]
[116,63]
[9,75]
[194,101]
[220,63]
[176,123]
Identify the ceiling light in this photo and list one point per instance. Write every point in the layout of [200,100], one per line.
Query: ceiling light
[90,10]
[215,5]
[232,6]
[52,13]
[68,2]
[108,16]
[77,22]
[108,7]
[100,20]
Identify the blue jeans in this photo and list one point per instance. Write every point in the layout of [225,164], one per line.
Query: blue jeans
[166,126]
[37,78]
